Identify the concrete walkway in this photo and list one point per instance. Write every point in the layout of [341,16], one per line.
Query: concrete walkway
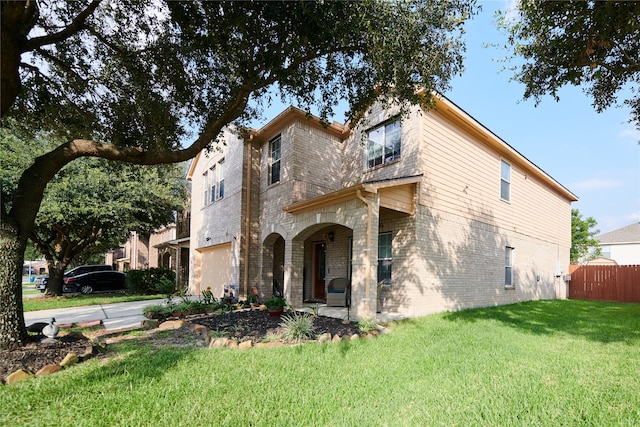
[129,314]
[113,316]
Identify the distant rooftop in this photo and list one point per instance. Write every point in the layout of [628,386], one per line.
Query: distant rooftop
[628,234]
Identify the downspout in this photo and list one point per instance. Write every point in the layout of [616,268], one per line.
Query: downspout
[368,249]
[247,222]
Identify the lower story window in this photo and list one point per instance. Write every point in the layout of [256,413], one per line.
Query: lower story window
[385,261]
[508,267]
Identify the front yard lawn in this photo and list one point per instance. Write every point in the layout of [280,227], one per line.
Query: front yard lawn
[46,303]
[544,363]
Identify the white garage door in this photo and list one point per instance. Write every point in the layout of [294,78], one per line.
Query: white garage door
[214,268]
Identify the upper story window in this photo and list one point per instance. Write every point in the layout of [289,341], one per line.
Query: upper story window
[214,183]
[383,144]
[274,160]
[505,181]
[213,180]
[220,178]
[205,185]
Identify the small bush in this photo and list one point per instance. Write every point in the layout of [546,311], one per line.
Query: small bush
[298,327]
[367,325]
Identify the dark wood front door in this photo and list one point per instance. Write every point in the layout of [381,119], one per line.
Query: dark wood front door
[319,251]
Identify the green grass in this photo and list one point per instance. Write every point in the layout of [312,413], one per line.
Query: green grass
[45,303]
[29,290]
[545,363]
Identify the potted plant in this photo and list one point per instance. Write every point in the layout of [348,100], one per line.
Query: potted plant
[275,306]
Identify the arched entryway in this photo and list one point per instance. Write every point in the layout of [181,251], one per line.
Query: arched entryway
[326,255]
[273,266]
[166,261]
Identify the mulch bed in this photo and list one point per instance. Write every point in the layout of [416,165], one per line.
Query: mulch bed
[35,355]
[243,325]
[256,325]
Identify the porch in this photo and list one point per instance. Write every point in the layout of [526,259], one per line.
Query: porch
[344,313]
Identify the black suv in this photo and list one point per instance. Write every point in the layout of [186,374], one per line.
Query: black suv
[41,282]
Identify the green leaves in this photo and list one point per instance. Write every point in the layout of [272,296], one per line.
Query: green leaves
[91,205]
[582,237]
[593,44]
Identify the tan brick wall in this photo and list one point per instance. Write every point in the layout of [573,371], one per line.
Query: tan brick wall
[449,255]
[219,222]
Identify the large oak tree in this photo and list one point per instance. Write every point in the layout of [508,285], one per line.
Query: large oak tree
[155,82]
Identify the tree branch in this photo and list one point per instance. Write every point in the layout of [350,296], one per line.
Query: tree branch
[74,27]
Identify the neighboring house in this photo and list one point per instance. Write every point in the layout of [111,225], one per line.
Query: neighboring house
[132,255]
[424,213]
[167,247]
[37,267]
[622,245]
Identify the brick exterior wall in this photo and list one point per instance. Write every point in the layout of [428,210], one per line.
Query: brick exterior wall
[448,255]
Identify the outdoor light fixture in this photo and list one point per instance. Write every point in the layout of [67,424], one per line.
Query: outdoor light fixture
[331,235]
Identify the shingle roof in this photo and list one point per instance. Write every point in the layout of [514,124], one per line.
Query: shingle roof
[628,234]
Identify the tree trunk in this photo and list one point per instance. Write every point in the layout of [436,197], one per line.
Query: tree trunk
[12,328]
[56,273]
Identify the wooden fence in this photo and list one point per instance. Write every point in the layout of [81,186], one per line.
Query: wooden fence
[619,283]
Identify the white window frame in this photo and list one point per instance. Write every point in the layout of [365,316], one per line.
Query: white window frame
[220,180]
[505,181]
[508,268]
[213,172]
[275,160]
[213,180]
[205,184]
[384,143]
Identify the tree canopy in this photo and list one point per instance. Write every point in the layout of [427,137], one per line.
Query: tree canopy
[156,82]
[583,242]
[593,44]
[90,206]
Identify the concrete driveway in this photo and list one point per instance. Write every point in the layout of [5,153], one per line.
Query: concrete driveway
[113,316]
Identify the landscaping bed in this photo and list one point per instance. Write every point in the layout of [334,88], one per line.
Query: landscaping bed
[240,325]
[257,325]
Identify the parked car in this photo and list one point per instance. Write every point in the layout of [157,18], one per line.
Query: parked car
[41,282]
[96,281]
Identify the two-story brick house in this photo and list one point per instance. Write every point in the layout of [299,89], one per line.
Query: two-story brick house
[424,213]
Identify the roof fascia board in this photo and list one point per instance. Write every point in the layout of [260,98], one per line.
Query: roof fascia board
[328,199]
[292,113]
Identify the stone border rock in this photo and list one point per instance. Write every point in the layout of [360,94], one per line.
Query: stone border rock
[216,343]
[69,360]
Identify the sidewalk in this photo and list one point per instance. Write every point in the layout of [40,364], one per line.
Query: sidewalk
[113,316]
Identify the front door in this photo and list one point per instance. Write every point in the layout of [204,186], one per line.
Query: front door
[319,251]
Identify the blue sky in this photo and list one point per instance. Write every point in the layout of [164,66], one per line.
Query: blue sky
[595,156]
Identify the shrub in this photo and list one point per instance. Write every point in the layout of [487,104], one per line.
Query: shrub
[297,326]
[276,303]
[367,325]
[151,281]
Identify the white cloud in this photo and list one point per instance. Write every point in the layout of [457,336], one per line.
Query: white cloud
[630,133]
[596,184]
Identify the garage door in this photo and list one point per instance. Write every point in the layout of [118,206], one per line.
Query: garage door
[213,268]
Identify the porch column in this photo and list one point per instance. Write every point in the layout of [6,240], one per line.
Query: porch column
[293,268]
[365,258]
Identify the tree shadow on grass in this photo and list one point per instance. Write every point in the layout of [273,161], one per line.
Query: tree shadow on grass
[142,364]
[593,320]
